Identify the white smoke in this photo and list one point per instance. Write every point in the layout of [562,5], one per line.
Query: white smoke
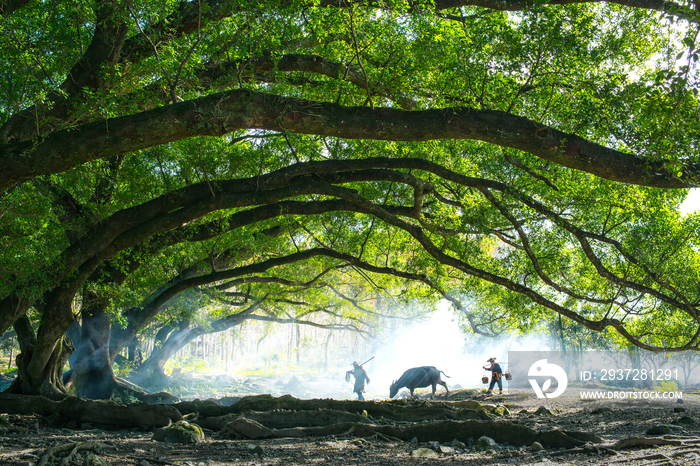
[440,342]
[436,341]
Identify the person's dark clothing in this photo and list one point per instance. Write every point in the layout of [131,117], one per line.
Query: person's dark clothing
[360,378]
[496,374]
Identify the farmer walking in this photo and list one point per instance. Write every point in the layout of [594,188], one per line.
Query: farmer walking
[360,377]
[496,374]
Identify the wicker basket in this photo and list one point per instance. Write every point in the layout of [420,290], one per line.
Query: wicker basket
[484,379]
[508,376]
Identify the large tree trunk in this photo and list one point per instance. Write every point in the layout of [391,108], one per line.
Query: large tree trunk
[135,356]
[26,339]
[48,381]
[152,368]
[92,375]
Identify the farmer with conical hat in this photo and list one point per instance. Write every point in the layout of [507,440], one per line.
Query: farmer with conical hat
[496,374]
[360,377]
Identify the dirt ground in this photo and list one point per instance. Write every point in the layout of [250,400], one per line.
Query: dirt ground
[24,440]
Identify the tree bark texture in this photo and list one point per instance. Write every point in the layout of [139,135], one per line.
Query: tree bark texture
[92,375]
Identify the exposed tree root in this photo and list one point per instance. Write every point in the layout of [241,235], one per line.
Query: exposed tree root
[586,449]
[205,408]
[441,431]
[153,398]
[384,438]
[100,413]
[284,419]
[149,459]
[445,421]
[52,453]
[396,410]
[644,442]
[584,436]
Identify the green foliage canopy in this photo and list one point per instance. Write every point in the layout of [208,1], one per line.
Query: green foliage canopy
[533,156]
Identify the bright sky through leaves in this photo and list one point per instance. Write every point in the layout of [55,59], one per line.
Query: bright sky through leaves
[692,202]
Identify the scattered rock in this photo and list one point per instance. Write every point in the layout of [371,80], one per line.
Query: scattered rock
[225,378]
[246,428]
[294,385]
[602,410]
[679,401]
[501,411]
[685,420]
[663,429]
[423,452]
[678,409]
[180,432]
[434,445]
[144,463]
[257,450]
[542,411]
[414,440]
[486,443]
[92,460]
[457,444]
[445,450]
[536,446]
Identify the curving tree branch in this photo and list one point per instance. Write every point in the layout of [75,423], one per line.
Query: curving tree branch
[227,112]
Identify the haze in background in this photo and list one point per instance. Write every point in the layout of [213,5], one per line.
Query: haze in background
[440,342]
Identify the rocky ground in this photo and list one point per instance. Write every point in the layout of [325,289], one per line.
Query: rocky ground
[41,440]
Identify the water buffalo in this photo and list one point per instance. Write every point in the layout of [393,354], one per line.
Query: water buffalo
[418,377]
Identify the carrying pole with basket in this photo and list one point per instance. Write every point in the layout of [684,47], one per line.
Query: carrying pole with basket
[507,375]
[485,378]
[347,374]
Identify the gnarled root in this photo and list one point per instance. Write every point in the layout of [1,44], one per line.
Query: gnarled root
[52,453]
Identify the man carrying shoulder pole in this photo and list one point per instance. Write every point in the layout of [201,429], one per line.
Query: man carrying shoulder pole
[360,377]
[496,374]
